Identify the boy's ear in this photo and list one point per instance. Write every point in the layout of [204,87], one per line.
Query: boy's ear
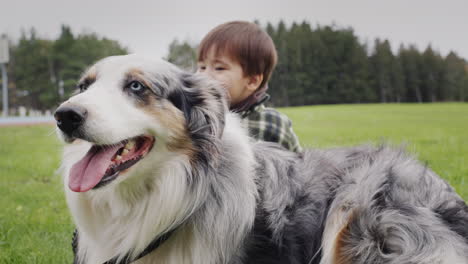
[254,82]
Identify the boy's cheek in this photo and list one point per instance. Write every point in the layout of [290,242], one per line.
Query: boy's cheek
[223,82]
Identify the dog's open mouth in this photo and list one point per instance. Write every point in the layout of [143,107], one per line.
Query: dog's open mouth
[102,164]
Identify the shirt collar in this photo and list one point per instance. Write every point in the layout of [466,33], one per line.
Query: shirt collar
[256,106]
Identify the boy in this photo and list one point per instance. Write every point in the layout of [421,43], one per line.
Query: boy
[241,56]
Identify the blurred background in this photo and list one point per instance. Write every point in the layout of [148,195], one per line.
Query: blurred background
[330,52]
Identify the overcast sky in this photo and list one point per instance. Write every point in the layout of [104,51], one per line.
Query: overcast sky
[149,26]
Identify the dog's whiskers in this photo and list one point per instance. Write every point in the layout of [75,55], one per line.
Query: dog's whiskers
[316,254]
[51,132]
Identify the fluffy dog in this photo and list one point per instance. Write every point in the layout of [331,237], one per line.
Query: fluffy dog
[157,171]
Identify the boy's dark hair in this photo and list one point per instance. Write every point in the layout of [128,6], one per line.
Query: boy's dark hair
[244,42]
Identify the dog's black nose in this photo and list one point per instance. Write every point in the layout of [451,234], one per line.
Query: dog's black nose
[70,118]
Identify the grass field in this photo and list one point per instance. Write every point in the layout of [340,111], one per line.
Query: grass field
[35,226]
[436,133]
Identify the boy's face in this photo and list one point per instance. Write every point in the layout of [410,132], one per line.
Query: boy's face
[230,74]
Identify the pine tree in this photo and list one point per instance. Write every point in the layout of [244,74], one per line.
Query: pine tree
[411,61]
[430,75]
[382,62]
[183,55]
[455,78]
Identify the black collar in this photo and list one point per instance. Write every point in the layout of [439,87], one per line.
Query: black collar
[158,241]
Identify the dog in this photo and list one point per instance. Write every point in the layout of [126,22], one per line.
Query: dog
[156,170]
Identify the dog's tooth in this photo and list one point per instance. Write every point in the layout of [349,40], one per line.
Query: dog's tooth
[130,145]
[118,157]
[125,152]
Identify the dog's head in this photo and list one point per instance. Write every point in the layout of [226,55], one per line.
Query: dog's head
[128,107]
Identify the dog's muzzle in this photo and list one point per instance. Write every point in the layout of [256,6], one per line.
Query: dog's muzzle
[70,118]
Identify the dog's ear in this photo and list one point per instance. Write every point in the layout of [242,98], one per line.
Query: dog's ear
[203,103]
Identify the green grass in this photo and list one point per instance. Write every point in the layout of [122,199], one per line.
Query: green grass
[435,133]
[35,226]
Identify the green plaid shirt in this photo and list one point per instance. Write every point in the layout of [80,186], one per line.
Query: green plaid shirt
[267,124]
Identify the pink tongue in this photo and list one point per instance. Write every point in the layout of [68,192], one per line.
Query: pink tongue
[88,172]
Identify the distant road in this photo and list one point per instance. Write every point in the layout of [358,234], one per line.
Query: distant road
[21,121]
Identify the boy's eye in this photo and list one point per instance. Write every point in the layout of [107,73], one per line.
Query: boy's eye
[220,68]
[201,67]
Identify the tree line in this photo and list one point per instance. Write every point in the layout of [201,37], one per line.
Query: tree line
[316,65]
[43,72]
[329,65]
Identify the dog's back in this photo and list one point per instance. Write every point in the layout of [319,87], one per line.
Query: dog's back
[355,205]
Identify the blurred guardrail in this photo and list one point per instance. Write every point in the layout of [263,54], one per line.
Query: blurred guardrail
[18,121]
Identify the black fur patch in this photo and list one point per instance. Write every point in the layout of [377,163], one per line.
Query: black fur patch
[383,198]
[179,100]
[260,247]
[455,217]
[186,98]
[301,239]
[187,81]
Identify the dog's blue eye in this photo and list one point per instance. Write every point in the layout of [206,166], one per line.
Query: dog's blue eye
[136,86]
